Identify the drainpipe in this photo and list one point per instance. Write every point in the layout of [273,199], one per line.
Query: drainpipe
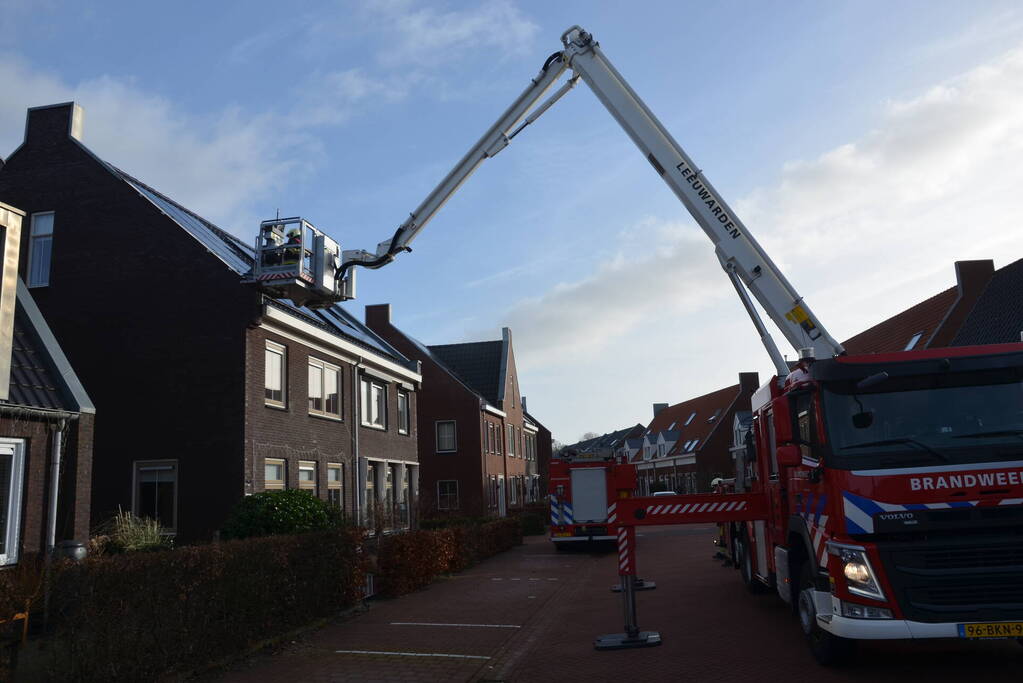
[51,527]
[360,494]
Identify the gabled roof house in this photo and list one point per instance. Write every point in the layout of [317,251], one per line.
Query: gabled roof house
[207,389]
[481,452]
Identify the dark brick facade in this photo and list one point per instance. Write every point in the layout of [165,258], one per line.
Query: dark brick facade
[479,463]
[164,335]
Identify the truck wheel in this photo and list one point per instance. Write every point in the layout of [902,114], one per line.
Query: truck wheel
[827,649]
[745,562]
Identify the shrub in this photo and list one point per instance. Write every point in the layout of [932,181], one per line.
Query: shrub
[139,616]
[269,513]
[533,523]
[126,533]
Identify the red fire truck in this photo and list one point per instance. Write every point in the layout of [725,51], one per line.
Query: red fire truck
[881,495]
[581,485]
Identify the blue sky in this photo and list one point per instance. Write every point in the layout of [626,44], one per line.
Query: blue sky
[867,145]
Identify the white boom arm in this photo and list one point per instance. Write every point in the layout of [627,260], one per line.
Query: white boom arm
[740,255]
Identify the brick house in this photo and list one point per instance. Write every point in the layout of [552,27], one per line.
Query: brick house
[689,443]
[475,438]
[623,443]
[46,422]
[207,389]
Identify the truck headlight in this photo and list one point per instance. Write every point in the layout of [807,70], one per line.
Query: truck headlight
[859,575]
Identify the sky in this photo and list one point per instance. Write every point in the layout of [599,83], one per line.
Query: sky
[866,145]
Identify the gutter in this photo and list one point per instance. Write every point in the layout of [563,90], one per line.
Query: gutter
[360,494]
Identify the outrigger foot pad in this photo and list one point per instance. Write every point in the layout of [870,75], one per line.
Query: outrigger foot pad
[625,641]
[638,584]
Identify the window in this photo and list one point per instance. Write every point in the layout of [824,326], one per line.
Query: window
[692,446]
[497,438]
[690,418]
[156,484]
[335,491]
[404,421]
[374,404]
[275,377]
[324,389]
[804,425]
[672,427]
[307,475]
[714,416]
[511,440]
[447,495]
[446,436]
[40,249]
[274,474]
[513,492]
[12,472]
[912,341]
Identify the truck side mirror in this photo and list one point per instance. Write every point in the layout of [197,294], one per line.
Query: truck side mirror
[789,456]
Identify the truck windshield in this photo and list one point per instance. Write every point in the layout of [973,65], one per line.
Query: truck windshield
[935,419]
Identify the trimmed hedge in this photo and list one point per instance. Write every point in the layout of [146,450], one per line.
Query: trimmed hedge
[138,616]
[410,561]
[292,511]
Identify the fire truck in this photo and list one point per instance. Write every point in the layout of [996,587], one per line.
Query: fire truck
[580,485]
[880,495]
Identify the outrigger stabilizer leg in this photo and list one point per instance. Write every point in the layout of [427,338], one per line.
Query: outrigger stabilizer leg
[632,637]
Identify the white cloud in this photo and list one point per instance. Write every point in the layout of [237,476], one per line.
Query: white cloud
[425,36]
[217,165]
[873,225]
[661,271]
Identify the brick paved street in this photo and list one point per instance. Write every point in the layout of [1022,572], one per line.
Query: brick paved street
[712,629]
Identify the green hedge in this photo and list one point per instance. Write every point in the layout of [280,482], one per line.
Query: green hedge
[139,616]
[410,561]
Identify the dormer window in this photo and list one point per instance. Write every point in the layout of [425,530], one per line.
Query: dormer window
[714,416]
[690,418]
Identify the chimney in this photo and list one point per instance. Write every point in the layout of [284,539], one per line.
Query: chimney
[972,278]
[10,239]
[522,400]
[378,315]
[658,407]
[53,124]
[749,382]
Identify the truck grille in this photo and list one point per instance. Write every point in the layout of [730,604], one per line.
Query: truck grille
[939,578]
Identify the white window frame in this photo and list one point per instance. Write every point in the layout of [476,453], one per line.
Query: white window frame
[454,435]
[282,351]
[367,386]
[13,537]
[457,500]
[336,485]
[278,484]
[137,468]
[326,367]
[510,445]
[34,239]
[304,484]
[404,417]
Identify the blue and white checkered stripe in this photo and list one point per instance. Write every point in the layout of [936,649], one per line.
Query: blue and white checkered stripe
[860,511]
[555,515]
[566,513]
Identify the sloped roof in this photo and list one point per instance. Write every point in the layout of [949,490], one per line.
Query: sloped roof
[699,428]
[476,364]
[894,333]
[997,317]
[41,376]
[239,257]
[609,440]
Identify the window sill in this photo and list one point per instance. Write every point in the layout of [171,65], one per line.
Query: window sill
[373,426]
[446,453]
[327,416]
[275,406]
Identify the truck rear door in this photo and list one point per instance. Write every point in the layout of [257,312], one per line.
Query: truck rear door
[589,494]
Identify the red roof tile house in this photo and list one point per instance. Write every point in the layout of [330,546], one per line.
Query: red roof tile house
[207,389]
[932,323]
[46,422]
[689,443]
[475,439]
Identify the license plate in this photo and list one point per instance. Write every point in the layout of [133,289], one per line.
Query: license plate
[562,534]
[1004,629]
